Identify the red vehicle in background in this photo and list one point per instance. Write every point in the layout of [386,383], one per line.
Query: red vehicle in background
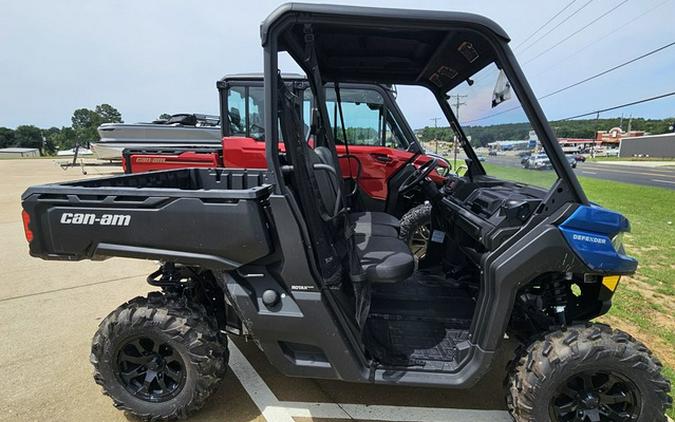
[379,146]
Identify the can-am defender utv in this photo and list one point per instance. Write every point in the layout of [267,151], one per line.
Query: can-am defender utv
[327,293]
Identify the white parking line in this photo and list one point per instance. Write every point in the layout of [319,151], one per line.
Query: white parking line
[663,181]
[274,410]
[260,393]
[589,172]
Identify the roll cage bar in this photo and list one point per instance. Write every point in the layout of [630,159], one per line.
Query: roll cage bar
[396,46]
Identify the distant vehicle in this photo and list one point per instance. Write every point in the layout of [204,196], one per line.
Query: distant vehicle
[572,149]
[181,130]
[580,157]
[481,158]
[524,154]
[572,160]
[524,157]
[538,162]
[492,153]
[612,152]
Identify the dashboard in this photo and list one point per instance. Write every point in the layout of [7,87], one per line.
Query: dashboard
[483,212]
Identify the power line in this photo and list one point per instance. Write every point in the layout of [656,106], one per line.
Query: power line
[644,100]
[588,25]
[617,28]
[558,25]
[531,35]
[590,78]
[545,23]
[611,69]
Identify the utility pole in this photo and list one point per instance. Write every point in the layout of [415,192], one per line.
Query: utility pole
[458,103]
[597,118]
[630,123]
[435,119]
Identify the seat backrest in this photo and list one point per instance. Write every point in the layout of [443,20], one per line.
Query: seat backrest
[328,182]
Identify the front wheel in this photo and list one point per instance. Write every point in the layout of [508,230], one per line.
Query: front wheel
[158,358]
[587,373]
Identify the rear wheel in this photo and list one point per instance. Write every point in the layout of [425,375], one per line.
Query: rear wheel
[415,229]
[587,373]
[158,357]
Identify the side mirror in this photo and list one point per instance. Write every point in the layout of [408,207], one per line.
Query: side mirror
[502,91]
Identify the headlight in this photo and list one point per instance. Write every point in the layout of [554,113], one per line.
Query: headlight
[617,243]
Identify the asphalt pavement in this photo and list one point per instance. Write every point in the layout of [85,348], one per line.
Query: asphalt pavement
[663,176]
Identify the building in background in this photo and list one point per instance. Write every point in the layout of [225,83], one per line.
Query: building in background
[659,146]
[19,152]
[612,138]
[577,145]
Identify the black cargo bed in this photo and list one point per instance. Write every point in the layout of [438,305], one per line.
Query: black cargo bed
[215,218]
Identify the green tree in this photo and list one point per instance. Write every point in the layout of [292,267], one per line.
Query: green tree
[83,118]
[65,139]
[51,135]
[7,138]
[108,114]
[85,121]
[29,136]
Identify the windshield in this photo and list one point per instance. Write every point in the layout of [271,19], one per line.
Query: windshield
[498,130]
[367,119]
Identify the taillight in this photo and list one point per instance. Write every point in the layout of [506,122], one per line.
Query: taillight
[26,223]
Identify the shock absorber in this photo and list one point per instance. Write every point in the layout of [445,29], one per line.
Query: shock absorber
[559,298]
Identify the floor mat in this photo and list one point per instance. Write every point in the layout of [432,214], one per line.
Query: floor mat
[416,343]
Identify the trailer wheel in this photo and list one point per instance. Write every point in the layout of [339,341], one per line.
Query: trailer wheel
[587,373]
[415,229]
[158,358]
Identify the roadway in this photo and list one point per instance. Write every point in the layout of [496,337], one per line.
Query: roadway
[663,176]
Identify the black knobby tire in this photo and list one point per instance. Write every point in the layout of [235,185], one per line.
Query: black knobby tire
[545,375]
[158,328]
[415,229]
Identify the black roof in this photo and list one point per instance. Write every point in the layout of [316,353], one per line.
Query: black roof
[398,46]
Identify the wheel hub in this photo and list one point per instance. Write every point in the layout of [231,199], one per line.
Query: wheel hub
[595,397]
[150,369]
[589,401]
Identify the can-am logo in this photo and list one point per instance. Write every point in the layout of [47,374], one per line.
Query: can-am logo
[91,219]
[591,239]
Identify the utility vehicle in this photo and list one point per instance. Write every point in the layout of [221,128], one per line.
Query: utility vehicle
[280,256]
[380,142]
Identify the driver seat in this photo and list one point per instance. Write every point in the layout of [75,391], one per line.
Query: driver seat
[371,223]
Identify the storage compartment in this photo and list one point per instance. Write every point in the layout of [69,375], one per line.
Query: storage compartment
[215,218]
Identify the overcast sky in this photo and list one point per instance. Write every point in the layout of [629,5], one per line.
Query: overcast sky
[151,57]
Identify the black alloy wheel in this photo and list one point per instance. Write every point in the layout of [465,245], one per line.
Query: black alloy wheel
[419,239]
[587,373]
[595,397]
[150,369]
[159,358]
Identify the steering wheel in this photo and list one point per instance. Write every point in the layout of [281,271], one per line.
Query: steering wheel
[418,175]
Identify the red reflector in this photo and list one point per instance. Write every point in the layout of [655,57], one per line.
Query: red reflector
[26,222]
